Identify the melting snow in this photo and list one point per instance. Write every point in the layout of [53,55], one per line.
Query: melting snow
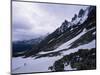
[66,45]
[86,46]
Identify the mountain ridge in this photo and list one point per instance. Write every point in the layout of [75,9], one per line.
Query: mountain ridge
[70,47]
[65,32]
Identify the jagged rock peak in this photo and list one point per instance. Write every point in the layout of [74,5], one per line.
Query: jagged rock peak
[75,16]
[64,26]
[81,13]
[65,22]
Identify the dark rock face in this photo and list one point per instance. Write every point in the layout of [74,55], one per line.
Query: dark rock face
[20,47]
[84,59]
[81,13]
[75,16]
[64,26]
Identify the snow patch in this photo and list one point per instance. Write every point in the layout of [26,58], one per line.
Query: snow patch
[51,40]
[75,22]
[94,33]
[69,68]
[86,46]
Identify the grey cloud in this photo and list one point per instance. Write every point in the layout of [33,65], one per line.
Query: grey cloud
[32,20]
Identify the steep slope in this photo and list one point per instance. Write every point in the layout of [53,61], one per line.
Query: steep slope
[72,46]
[68,30]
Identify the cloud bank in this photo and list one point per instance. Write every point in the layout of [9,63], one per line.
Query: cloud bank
[32,20]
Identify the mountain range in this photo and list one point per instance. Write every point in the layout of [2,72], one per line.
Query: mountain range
[72,46]
[84,23]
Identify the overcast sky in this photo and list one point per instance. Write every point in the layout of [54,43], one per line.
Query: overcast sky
[31,20]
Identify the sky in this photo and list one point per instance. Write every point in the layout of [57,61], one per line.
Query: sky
[31,20]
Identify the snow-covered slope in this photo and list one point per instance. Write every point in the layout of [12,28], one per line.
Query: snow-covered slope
[25,65]
[70,47]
